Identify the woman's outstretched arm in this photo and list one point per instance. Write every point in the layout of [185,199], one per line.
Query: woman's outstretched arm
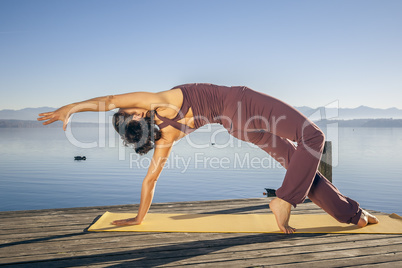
[63,113]
[146,100]
[159,159]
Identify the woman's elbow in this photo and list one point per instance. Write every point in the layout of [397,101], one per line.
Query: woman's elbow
[150,180]
[110,102]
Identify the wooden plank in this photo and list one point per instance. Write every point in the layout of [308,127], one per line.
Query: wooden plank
[253,249]
[124,239]
[80,246]
[55,238]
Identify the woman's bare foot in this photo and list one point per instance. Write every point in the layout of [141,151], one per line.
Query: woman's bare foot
[281,210]
[126,222]
[366,218]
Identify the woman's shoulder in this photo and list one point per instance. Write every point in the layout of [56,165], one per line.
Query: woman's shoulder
[174,99]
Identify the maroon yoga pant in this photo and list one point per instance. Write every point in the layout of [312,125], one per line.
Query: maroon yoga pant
[284,124]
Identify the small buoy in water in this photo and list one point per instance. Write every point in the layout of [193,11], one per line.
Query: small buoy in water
[80,158]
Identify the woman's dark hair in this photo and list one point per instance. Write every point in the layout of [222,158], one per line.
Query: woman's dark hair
[141,134]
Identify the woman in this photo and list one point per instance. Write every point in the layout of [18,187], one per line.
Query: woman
[153,120]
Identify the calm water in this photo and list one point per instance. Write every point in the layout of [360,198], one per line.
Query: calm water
[38,171]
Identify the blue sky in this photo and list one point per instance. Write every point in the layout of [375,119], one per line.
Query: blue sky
[304,52]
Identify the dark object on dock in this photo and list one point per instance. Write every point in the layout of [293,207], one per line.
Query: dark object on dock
[270,192]
[80,158]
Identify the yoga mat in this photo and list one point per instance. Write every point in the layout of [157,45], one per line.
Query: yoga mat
[243,223]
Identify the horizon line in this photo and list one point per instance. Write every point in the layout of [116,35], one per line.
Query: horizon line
[11,109]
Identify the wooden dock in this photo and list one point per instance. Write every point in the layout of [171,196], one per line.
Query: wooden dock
[58,238]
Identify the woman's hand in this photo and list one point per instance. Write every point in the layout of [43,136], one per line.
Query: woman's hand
[61,114]
[125,222]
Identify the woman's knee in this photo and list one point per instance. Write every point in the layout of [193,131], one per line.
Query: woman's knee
[313,137]
[320,138]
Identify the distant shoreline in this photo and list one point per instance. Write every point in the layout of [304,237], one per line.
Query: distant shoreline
[380,123]
[369,123]
[14,123]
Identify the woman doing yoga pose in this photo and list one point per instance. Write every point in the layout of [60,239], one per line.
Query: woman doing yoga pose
[155,120]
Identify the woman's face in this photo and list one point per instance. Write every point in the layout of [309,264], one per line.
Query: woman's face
[137,113]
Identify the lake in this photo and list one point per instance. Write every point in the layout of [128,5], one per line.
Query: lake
[38,170]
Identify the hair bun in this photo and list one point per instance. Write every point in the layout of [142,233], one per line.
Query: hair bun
[141,134]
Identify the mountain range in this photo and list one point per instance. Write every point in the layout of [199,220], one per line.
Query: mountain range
[32,114]
[361,112]
[320,113]
[362,116]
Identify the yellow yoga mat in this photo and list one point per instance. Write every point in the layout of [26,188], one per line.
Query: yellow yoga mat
[243,223]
